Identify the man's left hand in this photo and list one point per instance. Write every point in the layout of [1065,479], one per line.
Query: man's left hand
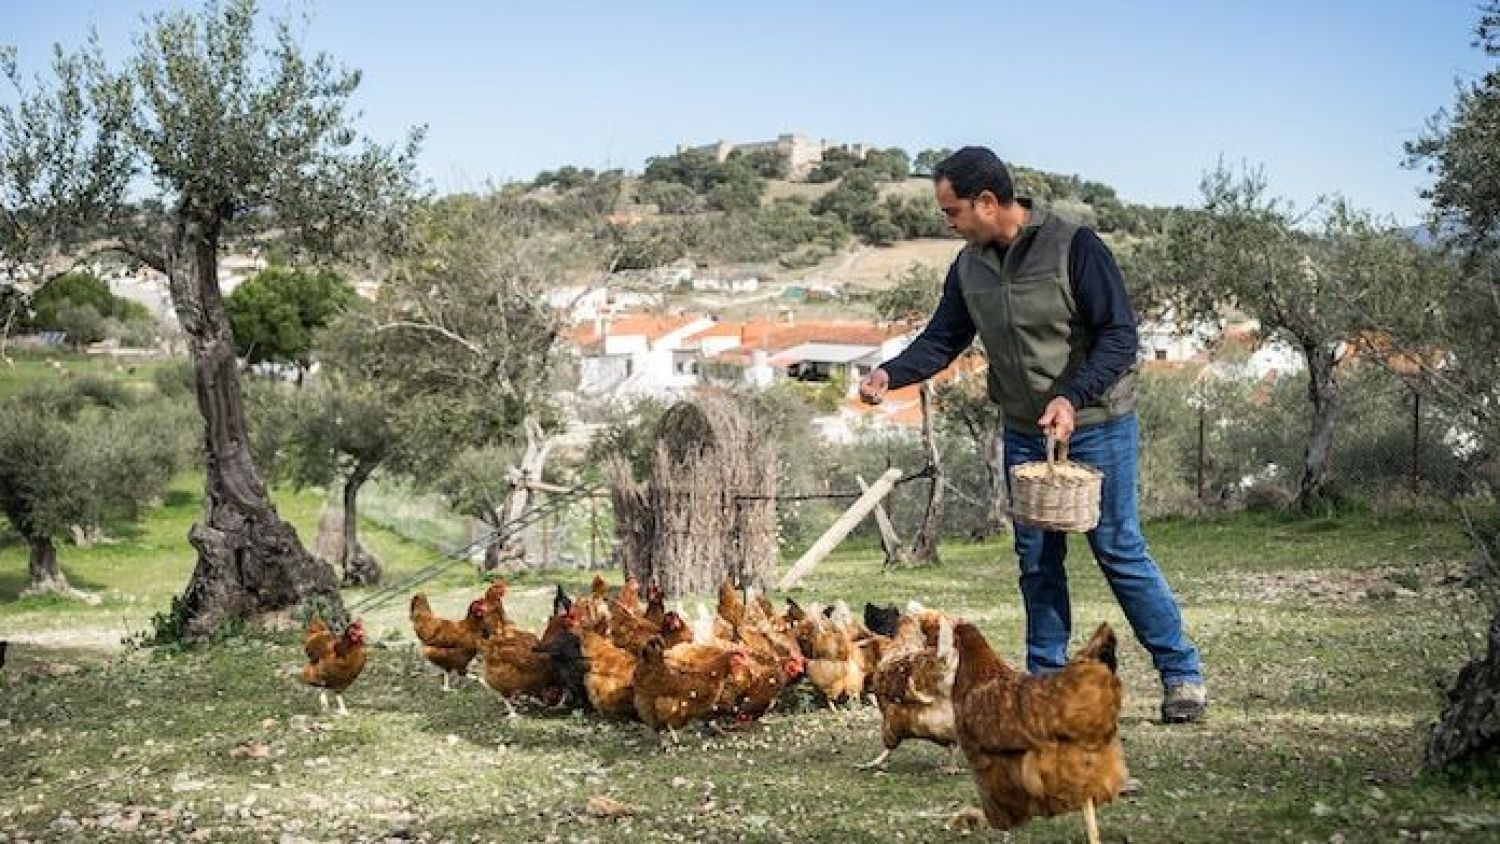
[1058,419]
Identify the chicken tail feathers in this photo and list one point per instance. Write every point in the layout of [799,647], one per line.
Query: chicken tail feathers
[1103,647]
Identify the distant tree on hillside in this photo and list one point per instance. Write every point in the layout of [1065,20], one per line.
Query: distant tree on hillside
[735,187]
[694,168]
[835,163]
[855,200]
[892,165]
[565,178]
[915,216]
[668,197]
[927,160]
[765,163]
[912,295]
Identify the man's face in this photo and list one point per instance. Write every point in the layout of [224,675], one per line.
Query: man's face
[983,219]
[960,216]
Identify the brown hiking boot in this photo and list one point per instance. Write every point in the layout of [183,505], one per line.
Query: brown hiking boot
[1184,703]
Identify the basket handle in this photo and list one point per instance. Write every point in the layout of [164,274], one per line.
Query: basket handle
[1057,452]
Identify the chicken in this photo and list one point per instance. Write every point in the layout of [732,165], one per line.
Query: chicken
[882,620]
[913,686]
[731,607]
[675,631]
[684,683]
[333,663]
[609,681]
[794,612]
[561,603]
[629,630]
[870,650]
[834,666]
[630,596]
[513,667]
[656,607]
[1039,746]
[450,645]
[775,663]
[569,667]
[495,617]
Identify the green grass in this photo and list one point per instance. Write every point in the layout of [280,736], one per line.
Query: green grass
[28,367]
[1325,679]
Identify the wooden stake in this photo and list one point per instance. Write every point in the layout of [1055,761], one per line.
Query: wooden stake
[841,528]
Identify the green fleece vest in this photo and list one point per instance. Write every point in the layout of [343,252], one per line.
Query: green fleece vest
[1022,305]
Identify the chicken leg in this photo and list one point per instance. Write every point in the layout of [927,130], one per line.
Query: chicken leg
[1090,822]
[343,710]
[323,699]
[877,762]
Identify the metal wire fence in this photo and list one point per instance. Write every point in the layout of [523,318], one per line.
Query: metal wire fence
[1209,444]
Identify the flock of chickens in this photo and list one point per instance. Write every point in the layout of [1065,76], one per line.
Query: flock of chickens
[1036,746]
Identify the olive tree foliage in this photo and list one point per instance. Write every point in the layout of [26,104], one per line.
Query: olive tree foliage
[1311,281]
[62,165]
[1460,331]
[461,347]
[242,136]
[461,339]
[75,454]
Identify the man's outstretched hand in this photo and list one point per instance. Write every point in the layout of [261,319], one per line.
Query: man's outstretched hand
[873,386]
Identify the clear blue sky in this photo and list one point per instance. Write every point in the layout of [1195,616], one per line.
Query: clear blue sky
[1144,96]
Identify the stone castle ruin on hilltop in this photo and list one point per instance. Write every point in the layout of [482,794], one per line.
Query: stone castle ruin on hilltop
[803,153]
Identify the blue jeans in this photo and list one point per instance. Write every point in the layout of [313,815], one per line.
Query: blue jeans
[1112,447]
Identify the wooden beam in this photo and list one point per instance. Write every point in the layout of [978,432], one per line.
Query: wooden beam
[841,528]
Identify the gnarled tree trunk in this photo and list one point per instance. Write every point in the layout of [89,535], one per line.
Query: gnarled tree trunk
[1469,729]
[42,569]
[1322,390]
[250,562]
[359,566]
[533,462]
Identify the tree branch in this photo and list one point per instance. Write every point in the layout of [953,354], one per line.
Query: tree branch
[471,346]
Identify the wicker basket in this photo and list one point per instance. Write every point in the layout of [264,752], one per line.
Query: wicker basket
[1056,494]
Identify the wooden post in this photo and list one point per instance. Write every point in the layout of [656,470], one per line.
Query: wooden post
[888,538]
[1416,442]
[1201,456]
[840,529]
[593,532]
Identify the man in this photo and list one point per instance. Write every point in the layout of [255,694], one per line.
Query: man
[1047,299]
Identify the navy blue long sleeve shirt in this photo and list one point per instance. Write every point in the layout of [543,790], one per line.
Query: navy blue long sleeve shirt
[1099,294]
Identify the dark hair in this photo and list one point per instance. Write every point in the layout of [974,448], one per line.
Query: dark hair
[974,170]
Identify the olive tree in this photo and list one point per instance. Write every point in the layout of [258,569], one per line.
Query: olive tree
[1308,280]
[461,344]
[61,163]
[72,456]
[1459,326]
[242,137]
